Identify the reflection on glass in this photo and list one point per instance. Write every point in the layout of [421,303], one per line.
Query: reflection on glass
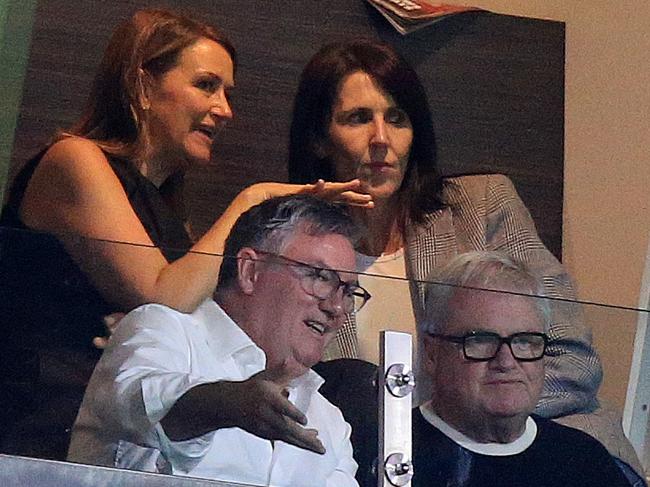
[61,370]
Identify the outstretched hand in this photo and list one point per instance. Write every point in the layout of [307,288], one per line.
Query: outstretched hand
[258,405]
[263,409]
[349,192]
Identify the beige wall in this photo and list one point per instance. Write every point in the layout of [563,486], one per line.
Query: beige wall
[607,161]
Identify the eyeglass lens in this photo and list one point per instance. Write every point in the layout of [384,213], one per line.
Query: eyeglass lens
[524,346]
[328,282]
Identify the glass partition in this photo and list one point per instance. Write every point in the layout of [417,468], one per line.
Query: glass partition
[50,320]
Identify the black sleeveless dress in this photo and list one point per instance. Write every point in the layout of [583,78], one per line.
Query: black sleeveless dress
[50,312]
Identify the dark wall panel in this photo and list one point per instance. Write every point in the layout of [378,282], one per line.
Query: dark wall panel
[495,83]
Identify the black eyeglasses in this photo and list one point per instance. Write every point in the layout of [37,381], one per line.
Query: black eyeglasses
[324,283]
[482,346]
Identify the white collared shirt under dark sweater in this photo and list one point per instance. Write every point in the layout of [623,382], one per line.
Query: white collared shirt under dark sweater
[547,454]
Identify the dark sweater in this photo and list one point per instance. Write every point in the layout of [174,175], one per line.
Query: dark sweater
[559,456]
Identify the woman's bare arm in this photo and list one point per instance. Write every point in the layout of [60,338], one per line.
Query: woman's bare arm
[75,195]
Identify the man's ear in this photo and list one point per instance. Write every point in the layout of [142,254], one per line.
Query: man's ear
[246,270]
[430,352]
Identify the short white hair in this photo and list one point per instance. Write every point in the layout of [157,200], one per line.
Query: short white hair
[481,270]
[488,271]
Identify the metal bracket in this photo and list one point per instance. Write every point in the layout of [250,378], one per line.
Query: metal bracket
[400,380]
[396,383]
[398,469]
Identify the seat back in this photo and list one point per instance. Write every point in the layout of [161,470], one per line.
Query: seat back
[351,385]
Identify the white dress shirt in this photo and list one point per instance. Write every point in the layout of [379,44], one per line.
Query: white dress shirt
[156,355]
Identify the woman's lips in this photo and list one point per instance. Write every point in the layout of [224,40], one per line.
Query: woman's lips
[377,166]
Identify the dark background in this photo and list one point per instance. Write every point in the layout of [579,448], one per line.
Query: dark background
[495,85]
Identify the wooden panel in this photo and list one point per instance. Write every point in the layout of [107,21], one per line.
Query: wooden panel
[495,83]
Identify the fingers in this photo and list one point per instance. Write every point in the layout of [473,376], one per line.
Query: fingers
[285,423]
[352,198]
[260,406]
[280,376]
[277,426]
[306,438]
[348,192]
[100,342]
[289,411]
[111,321]
[276,417]
[334,187]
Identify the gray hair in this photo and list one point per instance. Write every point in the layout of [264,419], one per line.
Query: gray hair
[482,270]
[270,225]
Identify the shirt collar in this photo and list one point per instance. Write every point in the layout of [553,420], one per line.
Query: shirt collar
[489,449]
[224,336]
[301,389]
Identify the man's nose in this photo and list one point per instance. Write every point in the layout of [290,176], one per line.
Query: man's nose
[504,359]
[333,306]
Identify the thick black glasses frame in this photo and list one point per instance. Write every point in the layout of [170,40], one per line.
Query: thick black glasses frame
[501,340]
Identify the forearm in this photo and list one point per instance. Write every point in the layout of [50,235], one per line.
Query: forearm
[182,284]
[200,410]
[75,184]
[573,372]
[187,282]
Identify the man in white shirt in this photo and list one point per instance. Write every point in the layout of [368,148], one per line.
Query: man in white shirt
[227,392]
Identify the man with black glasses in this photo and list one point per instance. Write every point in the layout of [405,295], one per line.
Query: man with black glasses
[227,392]
[484,343]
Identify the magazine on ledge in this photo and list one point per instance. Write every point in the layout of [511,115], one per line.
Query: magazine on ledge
[410,15]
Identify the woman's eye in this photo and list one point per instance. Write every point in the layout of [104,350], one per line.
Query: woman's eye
[208,85]
[359,117]
[397,116]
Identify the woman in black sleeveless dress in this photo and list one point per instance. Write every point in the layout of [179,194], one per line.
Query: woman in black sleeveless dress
[94,223]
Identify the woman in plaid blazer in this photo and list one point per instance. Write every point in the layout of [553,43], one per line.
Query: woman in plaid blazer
[361,113]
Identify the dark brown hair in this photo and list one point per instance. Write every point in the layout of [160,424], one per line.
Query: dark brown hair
[312,112]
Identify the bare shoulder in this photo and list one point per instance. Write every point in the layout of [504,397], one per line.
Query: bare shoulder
[75,164]
[72,154]
[73,174]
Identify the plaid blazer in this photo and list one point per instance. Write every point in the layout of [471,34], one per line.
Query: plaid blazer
[484,212]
